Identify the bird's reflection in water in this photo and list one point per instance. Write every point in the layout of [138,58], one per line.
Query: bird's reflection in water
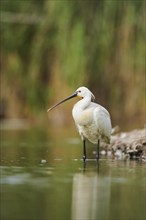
[90,196]
[85,166]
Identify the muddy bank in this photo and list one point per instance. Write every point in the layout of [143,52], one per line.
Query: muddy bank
[128,144]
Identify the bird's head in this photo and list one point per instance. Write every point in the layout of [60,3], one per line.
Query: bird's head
[81,92]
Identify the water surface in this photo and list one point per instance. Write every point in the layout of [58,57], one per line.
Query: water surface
[42,177]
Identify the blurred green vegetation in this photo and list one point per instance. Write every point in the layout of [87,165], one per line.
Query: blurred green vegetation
[50,48]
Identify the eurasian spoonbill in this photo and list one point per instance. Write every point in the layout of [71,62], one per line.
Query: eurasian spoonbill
[92,120]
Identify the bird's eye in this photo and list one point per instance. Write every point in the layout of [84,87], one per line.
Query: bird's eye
[79,91]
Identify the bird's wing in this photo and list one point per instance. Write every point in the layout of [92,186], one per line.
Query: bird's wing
[103,122]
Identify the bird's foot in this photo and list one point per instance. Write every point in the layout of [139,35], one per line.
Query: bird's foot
[97,157]
[84,159]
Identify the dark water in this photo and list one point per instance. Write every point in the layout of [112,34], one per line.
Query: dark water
[42,177]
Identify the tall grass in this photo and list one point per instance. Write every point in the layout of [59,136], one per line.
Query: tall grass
[100,44]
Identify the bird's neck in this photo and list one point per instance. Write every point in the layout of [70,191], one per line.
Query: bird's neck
[79,110]
[83,103]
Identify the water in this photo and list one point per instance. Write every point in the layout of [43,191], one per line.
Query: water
[43,178]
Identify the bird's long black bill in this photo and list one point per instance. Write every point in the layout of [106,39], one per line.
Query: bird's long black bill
[64,100]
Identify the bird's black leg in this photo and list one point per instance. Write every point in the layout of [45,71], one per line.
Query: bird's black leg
[97,153]
[84,151]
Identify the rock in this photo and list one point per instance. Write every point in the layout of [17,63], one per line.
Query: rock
[131,143]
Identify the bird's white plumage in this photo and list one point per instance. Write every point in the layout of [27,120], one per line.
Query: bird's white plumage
[92,120]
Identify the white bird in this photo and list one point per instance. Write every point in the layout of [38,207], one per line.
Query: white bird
[92,120]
